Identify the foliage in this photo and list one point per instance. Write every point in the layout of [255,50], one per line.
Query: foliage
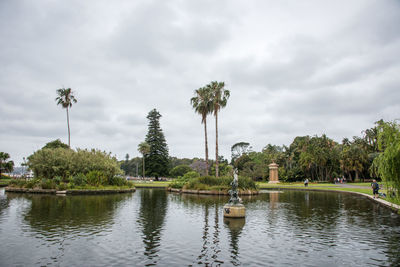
[220,98]
[180,170]
[157,161]
[65,98]
[49,163]
[5,164]
[93,180]
[56,144]
[387,164]
[202,103]
[182,180]
[219,183]
[79,179]
[238,150]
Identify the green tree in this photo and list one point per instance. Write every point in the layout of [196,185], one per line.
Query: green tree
[56,144]
[144,149]
[238,149]
[180,170]
[65,98]
[220,98]
[6,165]
[387,164]
[51,162]
[157,161]
[203,104]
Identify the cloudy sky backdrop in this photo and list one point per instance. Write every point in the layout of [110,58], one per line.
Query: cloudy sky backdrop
[292,67]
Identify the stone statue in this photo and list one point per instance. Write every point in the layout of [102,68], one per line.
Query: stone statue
[235,199]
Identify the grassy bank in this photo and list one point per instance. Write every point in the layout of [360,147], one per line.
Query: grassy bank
[4,181]
[153,184]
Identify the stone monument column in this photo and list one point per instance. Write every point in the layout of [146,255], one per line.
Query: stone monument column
[273,173]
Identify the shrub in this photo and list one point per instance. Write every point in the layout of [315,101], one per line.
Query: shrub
[47,184]
[96,178]
[79,179]
[118,181]
[180,170]
[51,162]
[221,183]
[57,179]
[32,183]
[181,181]
[17,183]
[62,186]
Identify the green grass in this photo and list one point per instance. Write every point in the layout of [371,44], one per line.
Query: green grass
[328,187]
[151,184]
[107,187]
[5,181]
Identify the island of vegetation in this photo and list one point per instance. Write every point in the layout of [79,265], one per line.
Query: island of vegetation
[191,182]
[56,167]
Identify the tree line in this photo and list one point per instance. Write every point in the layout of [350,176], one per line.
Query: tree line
[318,158]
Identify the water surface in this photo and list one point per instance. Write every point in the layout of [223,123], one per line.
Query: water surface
[153,227]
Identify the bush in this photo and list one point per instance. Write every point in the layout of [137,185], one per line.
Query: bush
[79,179]
[181,181]
[96,178]
[180,170]
[118,181]
[17,182]
[47,184]
[62,186]
[32,183]
[221,183]
[51,162]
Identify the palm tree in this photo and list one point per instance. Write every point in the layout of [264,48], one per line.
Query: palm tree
[144,149]
[5,164]
[202,104]
[65,98]
[220,98]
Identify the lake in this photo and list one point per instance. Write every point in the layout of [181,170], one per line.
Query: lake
[152,227]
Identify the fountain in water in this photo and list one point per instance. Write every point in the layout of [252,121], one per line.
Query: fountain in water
[234,208]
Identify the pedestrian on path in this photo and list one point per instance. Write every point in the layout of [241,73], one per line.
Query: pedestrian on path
[306,182]
[375,188]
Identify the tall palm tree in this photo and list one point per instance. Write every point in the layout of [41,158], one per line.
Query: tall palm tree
[202,104]
[144,149]
[65,98]
[220,98]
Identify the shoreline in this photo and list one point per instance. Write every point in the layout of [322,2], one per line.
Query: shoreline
[381,201]
[212,192]
[69,192]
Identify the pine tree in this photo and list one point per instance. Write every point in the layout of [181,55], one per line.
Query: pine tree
[157,161]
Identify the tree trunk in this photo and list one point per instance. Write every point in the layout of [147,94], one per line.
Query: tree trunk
[69,138]
[143,168]
[216,145]
[206,144]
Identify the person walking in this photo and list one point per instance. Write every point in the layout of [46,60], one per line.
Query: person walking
[375,188]
[306,182]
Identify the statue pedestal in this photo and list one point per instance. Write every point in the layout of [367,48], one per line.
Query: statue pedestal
[234,211]
[273,173]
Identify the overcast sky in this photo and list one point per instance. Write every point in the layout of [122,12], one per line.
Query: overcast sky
[293,68]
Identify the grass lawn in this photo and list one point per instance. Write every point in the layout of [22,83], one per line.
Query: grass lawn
[107,187]
[160,184]
[322,186]
[5,181]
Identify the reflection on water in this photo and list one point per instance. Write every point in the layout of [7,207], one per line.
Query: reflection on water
[154,227]
[235,226]
[151,219]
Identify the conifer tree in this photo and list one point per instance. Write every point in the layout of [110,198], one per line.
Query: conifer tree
[157,161]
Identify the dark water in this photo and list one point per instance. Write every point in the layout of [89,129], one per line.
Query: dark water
[153,227]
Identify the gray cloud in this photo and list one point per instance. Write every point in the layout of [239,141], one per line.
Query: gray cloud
[293,68]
